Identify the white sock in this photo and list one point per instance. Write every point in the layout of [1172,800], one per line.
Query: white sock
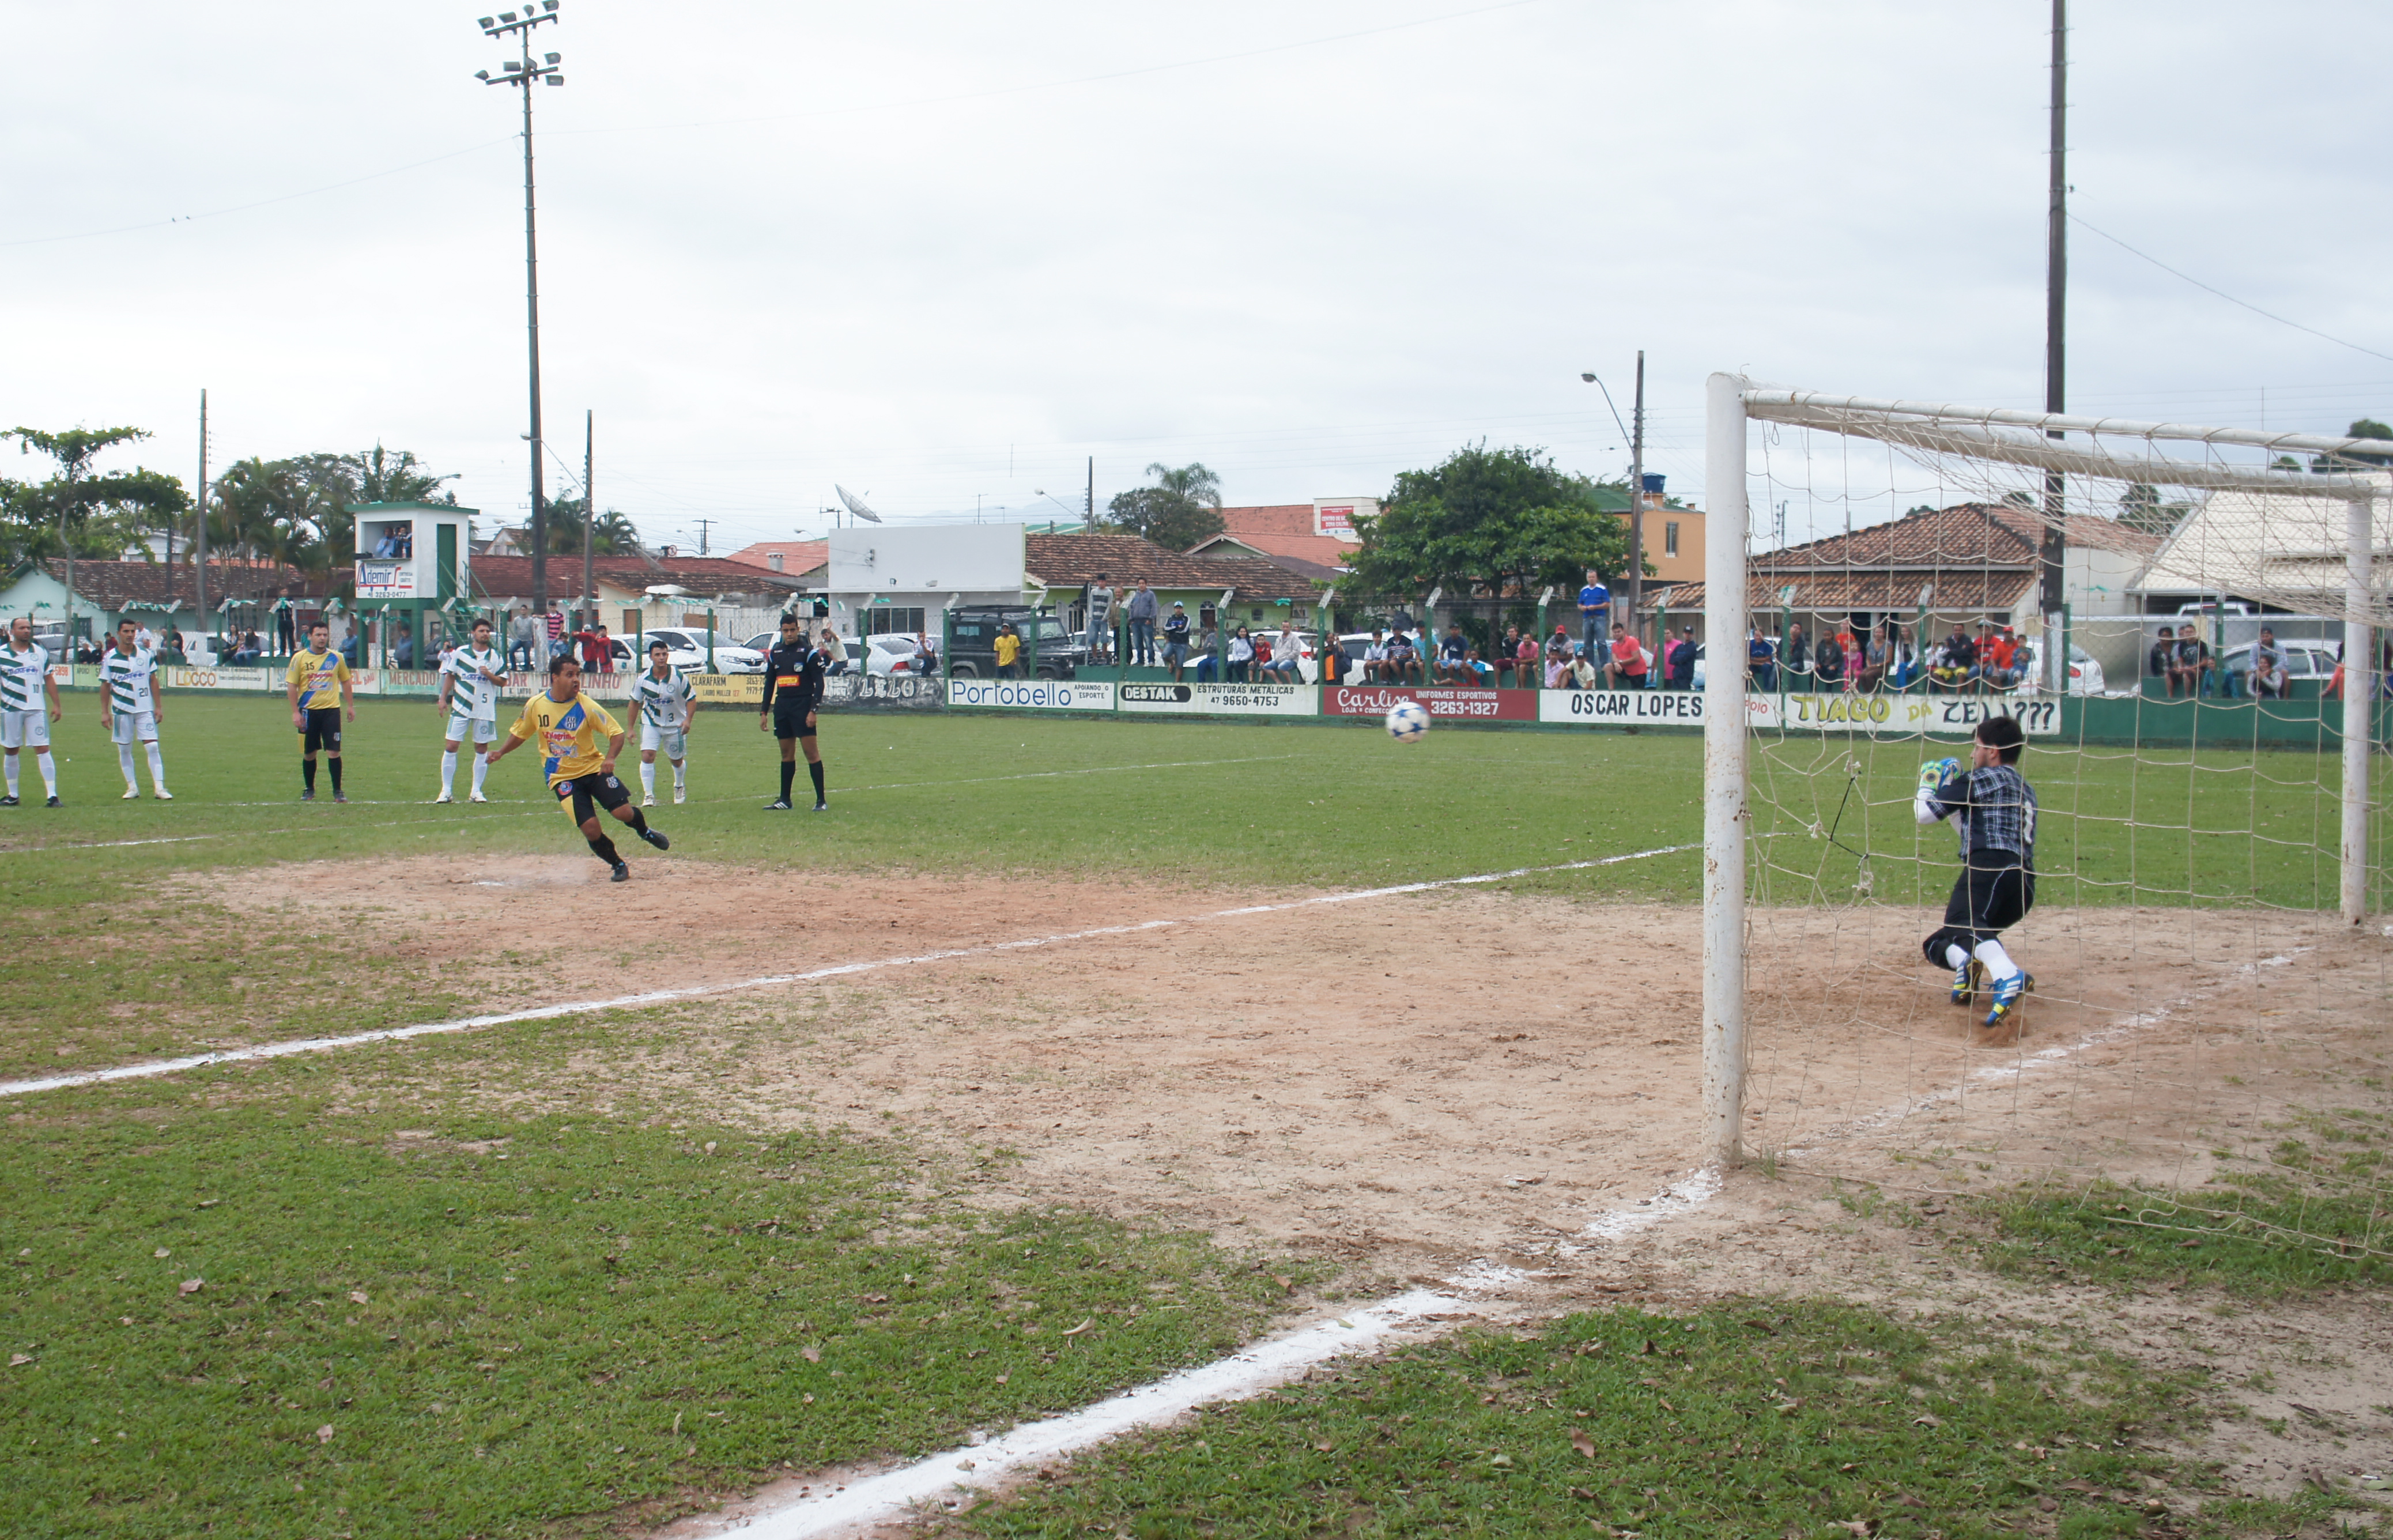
[481,766]
[648,777]
[49,773]
[125,763]
[680,768]
[1998,962]
[157,767]
[1954,955]
[12,774]
[447,770]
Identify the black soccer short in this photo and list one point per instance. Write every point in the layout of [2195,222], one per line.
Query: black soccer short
[587,794]
[790,719]
[323,730]
[1992,894]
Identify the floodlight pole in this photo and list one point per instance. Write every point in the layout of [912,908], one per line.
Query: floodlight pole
[523,76]
[1725,770]
[2054,553]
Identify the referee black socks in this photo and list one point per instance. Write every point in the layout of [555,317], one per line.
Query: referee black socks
[814,768]
[789,773]
[308,769]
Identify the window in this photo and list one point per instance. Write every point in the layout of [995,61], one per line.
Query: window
[631,626]
[881,620]
[1256,612]
[1670,538]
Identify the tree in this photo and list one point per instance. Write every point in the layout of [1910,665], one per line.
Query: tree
[1181,508]
[79,511]
[2140,508]
[1488,523]
[614,535]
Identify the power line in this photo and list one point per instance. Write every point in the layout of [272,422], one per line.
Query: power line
[2230,299]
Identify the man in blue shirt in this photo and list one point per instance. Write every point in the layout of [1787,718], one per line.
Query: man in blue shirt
[1761,661]
[1595,612]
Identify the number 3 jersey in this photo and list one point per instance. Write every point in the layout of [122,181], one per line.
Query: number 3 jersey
[470,694]
[126,678]
[663,703]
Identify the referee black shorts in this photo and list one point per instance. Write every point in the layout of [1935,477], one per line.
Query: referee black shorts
[323,730]
[1992,894]
[585,795]
[790,719]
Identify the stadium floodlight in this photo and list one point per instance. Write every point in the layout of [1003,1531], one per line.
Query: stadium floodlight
[522,70]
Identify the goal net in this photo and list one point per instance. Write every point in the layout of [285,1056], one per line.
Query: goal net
[2186,625]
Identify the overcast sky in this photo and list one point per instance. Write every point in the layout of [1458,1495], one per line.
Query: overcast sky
[945,253]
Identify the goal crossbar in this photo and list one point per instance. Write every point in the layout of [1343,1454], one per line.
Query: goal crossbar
[1782,404]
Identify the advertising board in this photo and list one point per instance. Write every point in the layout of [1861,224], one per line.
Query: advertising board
[1454,705]
[386,580]
[1621,708]
[1224,700]
[1901,715]
[1031,694]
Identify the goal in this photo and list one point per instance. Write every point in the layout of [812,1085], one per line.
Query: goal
[2188,622]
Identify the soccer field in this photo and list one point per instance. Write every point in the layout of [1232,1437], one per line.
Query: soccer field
[1120,1077]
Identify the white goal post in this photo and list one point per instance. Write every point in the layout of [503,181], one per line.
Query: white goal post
[2277,560]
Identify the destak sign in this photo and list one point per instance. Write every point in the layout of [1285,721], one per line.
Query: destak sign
[1223,699]
[1031,694]
[1901,715]
[1622,708]
[1450,705]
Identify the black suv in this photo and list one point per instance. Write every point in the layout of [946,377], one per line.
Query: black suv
[1048,651]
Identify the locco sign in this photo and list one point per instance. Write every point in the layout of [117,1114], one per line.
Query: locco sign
[1031,694]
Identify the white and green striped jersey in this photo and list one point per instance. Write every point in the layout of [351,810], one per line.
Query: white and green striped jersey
[471,695]
[663,703]
[22,677]
[127,680]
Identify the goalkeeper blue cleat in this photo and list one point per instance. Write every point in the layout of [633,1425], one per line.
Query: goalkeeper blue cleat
[1965,981]
[2008,994]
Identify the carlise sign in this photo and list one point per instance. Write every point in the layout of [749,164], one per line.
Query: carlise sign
[1463,705]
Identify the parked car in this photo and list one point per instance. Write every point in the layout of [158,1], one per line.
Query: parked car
[2084,674]
[972,634]
[2304,659]
[689,643]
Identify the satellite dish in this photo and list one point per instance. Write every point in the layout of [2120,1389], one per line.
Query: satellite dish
[855,504]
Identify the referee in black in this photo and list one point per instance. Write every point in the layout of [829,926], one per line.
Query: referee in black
[794,689]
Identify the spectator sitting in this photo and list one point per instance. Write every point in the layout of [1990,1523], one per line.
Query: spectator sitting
[1453,656]
[2193,661]
[1527,668]
[1627,669]
[1481,672]
[2269,676]
[248,652]
[1241,657]
[1287,657]
[2163,658]
[1954,661]
[1403,663]
[2234,671]
[1333,659]
[1795,657]
[1828,663]
[1375,658]
[170,646]
[1209,656]
[1508,653]
[1761,661]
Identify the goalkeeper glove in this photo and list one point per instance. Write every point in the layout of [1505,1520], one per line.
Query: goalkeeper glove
[1932,777]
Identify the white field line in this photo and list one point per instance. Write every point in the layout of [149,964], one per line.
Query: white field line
[662,997]
[2018,1069]
[329,825]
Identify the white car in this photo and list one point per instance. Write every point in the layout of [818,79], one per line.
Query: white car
[689,654]
[2304,659]
[2084,674]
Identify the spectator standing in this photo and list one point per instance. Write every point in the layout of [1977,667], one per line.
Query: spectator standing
[1241,657]
[1627,666]
[1009,649]
[1795,657]
[1681,664]
[285,635]
[523,640]
[1100,635]
[1594,611]
[1175,637]
[1143,612]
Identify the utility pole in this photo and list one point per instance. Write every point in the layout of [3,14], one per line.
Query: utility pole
[588,510]
[521,73]
[2052,594]
[200,537]
[1637,499]
[702,525]
[1091,526]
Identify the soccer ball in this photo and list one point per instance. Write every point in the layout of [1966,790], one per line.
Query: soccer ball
[1407,720]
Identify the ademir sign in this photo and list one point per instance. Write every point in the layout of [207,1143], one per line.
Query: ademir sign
[1032,695]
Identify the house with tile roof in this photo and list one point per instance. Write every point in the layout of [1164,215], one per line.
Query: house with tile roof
[1245,589]
[807,560]
[1312,540]
[241,596]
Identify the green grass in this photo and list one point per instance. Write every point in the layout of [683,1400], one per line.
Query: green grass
[1761,1418]
[504,1321]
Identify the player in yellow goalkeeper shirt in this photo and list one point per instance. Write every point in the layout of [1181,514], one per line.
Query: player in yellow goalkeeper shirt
[568,726]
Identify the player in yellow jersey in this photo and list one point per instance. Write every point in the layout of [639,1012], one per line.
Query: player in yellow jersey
[320,688]
[568,726]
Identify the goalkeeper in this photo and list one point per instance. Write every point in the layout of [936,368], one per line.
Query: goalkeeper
[1994,808]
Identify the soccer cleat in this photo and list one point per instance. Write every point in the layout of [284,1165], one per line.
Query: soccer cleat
[656,837]
[338,798]
[53,802]
[823,807]
[1965,981]
[647,801]
[2008,995]
[681,795]
[444,797]
[165,795]
[308,795]
[9,800]
[478,797]
[778,805]
[131,792]
[622,874]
